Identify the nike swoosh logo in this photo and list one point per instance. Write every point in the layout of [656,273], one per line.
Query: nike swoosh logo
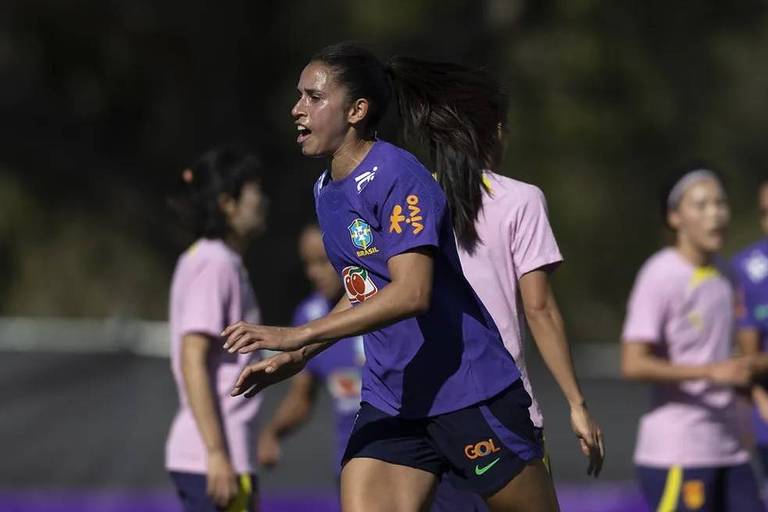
[480,470]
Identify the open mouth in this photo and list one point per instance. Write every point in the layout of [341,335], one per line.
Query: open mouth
[304,132]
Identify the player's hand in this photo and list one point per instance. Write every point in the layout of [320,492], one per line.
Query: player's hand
[736,371]
[243,337]
[590,438]
[255,377]
[268,448]
[222,481]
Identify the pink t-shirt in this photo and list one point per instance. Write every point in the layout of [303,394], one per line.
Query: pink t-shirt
[686,312]
[516,238]
[210,290]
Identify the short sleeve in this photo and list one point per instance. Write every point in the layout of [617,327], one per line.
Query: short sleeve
[533,243]
[745,302]
[646,310]
[411,212]
[208,299]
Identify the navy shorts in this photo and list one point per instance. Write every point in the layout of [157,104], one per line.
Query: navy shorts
[708,489]
[191,488]
[480,448]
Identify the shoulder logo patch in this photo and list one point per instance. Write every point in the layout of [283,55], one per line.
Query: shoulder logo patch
[756,267]
[413,219]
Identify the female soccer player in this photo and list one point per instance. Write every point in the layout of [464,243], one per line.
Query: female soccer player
[209,448]
[750,268]
[440,391]
[678,335]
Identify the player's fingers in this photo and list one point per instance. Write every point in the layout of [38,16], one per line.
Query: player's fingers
[215,492]
[599,454]
[597,465]
[231,327]
[245,374]
[232,490]
[232,336]
[247,342]
[241,383]
[252,346]
[240,336]
[584,447]
[253,391]
[236,331]
[234,339]
[592,465]
[601,443]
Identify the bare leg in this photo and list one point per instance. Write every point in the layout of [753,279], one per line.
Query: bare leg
[372,485]
[530,491]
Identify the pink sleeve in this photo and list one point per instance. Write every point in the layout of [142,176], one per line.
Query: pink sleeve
[646,308]
[533,243]
[211,295]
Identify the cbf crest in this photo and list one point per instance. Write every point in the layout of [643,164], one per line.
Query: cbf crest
[362,237]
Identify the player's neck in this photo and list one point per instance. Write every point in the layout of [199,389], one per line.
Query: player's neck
[349,155]
[692,254]
[237,243]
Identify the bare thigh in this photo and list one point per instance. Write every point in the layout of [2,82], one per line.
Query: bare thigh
[372,485]
[529,491]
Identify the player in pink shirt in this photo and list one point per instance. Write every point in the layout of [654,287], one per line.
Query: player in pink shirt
[509,269]
[678,332]
[210,446]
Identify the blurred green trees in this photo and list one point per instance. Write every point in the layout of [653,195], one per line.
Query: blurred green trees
[103,104]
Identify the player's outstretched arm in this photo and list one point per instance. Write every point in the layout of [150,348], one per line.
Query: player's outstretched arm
[408,294]
[243,337]
[548,331]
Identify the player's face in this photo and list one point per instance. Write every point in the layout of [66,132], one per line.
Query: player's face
[763,205]
[320,113]
[247,215]
[702,216]
[319,270]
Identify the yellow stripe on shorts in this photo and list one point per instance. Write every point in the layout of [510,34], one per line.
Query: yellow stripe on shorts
[244,493]
[671,495]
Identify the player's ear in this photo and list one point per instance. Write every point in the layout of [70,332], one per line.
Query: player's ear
[358,110]
[673,219]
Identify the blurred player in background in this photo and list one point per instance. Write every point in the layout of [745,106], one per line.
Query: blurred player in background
[339,368]
[209,450]
[750,268]
[690,453]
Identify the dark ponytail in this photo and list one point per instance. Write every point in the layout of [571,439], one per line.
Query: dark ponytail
[457,111]
[225,170]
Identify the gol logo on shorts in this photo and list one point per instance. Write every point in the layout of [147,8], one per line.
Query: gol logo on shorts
[481,449]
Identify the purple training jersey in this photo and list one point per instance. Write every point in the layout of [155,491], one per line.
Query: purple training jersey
[339,368]
[448,358]
[750,269]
